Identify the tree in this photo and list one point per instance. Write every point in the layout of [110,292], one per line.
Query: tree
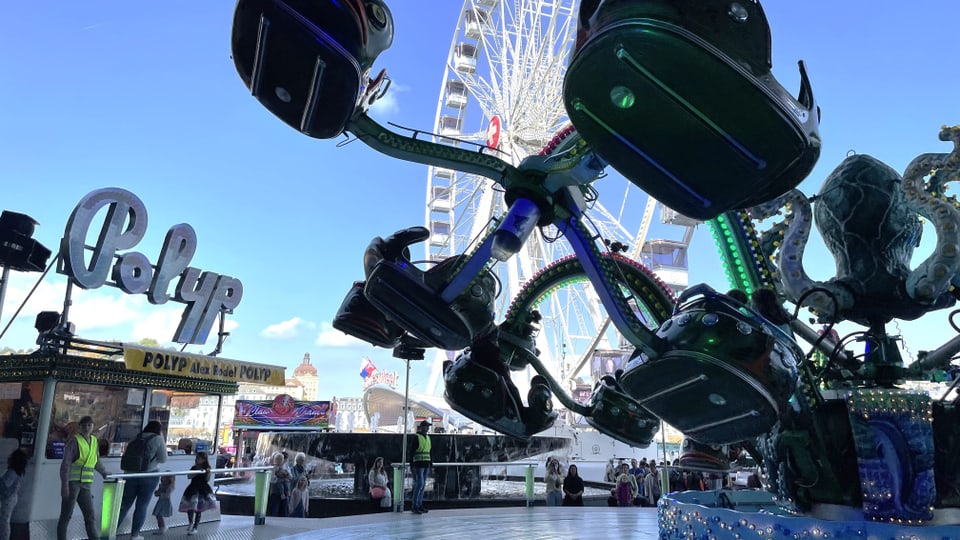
[149,342]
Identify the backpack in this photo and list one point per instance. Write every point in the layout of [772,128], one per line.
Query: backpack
[137,455]
[308,61]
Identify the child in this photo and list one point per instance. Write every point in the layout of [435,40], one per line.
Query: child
[10,488]
[300,498]
[163,508]
[198,496]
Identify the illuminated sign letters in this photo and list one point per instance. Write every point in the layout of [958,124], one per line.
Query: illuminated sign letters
[204,293]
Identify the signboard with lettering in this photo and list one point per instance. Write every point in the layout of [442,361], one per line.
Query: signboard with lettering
[379,377]
[171,362]
[282,411]
[206,294]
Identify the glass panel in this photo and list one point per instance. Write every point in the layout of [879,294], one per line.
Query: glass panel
[20,411]
[117,414]
[192,420]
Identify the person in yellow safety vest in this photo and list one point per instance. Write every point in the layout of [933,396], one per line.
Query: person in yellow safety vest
[80,460]
[420,462]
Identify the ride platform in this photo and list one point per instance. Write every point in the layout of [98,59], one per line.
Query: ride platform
[584,523]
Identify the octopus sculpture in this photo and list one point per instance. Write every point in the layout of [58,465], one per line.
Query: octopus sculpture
[869,219]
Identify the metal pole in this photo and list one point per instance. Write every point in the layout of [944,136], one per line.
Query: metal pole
[398,497]
[110,507]
[3,286]
[528,484]
[665,471]
[67,302]
[261,494]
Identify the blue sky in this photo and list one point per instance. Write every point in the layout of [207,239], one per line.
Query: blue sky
[145,97]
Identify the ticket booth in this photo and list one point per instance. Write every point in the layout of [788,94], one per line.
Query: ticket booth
[122,387]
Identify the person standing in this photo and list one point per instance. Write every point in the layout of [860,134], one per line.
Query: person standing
[610,475]
[280,487]
[554,481]
[626,486]
[420,464]
[10,489]
[651,485]
[152,451]
[299,468]
[572,488]
[80,460]
[377,479]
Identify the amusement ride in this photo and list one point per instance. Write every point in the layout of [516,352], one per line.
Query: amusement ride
[502,89]
[847,449]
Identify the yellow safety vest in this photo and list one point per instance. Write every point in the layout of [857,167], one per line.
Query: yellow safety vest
[82,469]
[423,449]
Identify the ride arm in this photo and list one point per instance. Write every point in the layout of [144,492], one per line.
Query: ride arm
[822,343]
[416,150]
[938,358]
[558,391]
[610,295]
[740,251]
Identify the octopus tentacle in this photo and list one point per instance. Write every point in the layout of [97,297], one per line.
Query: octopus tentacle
[932,278]
[771,238]
[795,281]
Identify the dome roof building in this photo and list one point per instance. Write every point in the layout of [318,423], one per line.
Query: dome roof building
[306,374]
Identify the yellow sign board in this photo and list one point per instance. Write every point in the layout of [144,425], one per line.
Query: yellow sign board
[168,362]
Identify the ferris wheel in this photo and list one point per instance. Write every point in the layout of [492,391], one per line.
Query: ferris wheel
[502,89]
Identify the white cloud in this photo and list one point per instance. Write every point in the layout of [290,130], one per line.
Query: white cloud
[103,313]
[48,296]
[388,105]
[88,309]
[159,324]
[288,329]
[331,337]
[94,310]
[385,106]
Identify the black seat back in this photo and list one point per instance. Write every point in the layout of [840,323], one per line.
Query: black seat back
[308,61]
[678,96]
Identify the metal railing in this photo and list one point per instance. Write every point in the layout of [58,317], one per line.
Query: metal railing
[400,472]
[113,494]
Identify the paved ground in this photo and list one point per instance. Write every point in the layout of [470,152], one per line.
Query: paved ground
[585,523]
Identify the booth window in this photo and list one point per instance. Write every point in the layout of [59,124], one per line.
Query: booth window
[19,413]
[117,414]
[190,419]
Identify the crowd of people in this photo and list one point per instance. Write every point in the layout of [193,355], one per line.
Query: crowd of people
[289,486]
[641,483]
[636,483]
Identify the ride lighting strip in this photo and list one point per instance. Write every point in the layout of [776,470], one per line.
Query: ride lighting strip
[739,248]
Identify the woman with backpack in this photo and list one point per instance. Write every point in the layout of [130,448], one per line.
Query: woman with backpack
[144,453]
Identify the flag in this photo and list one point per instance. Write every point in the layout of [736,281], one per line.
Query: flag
[366,368]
